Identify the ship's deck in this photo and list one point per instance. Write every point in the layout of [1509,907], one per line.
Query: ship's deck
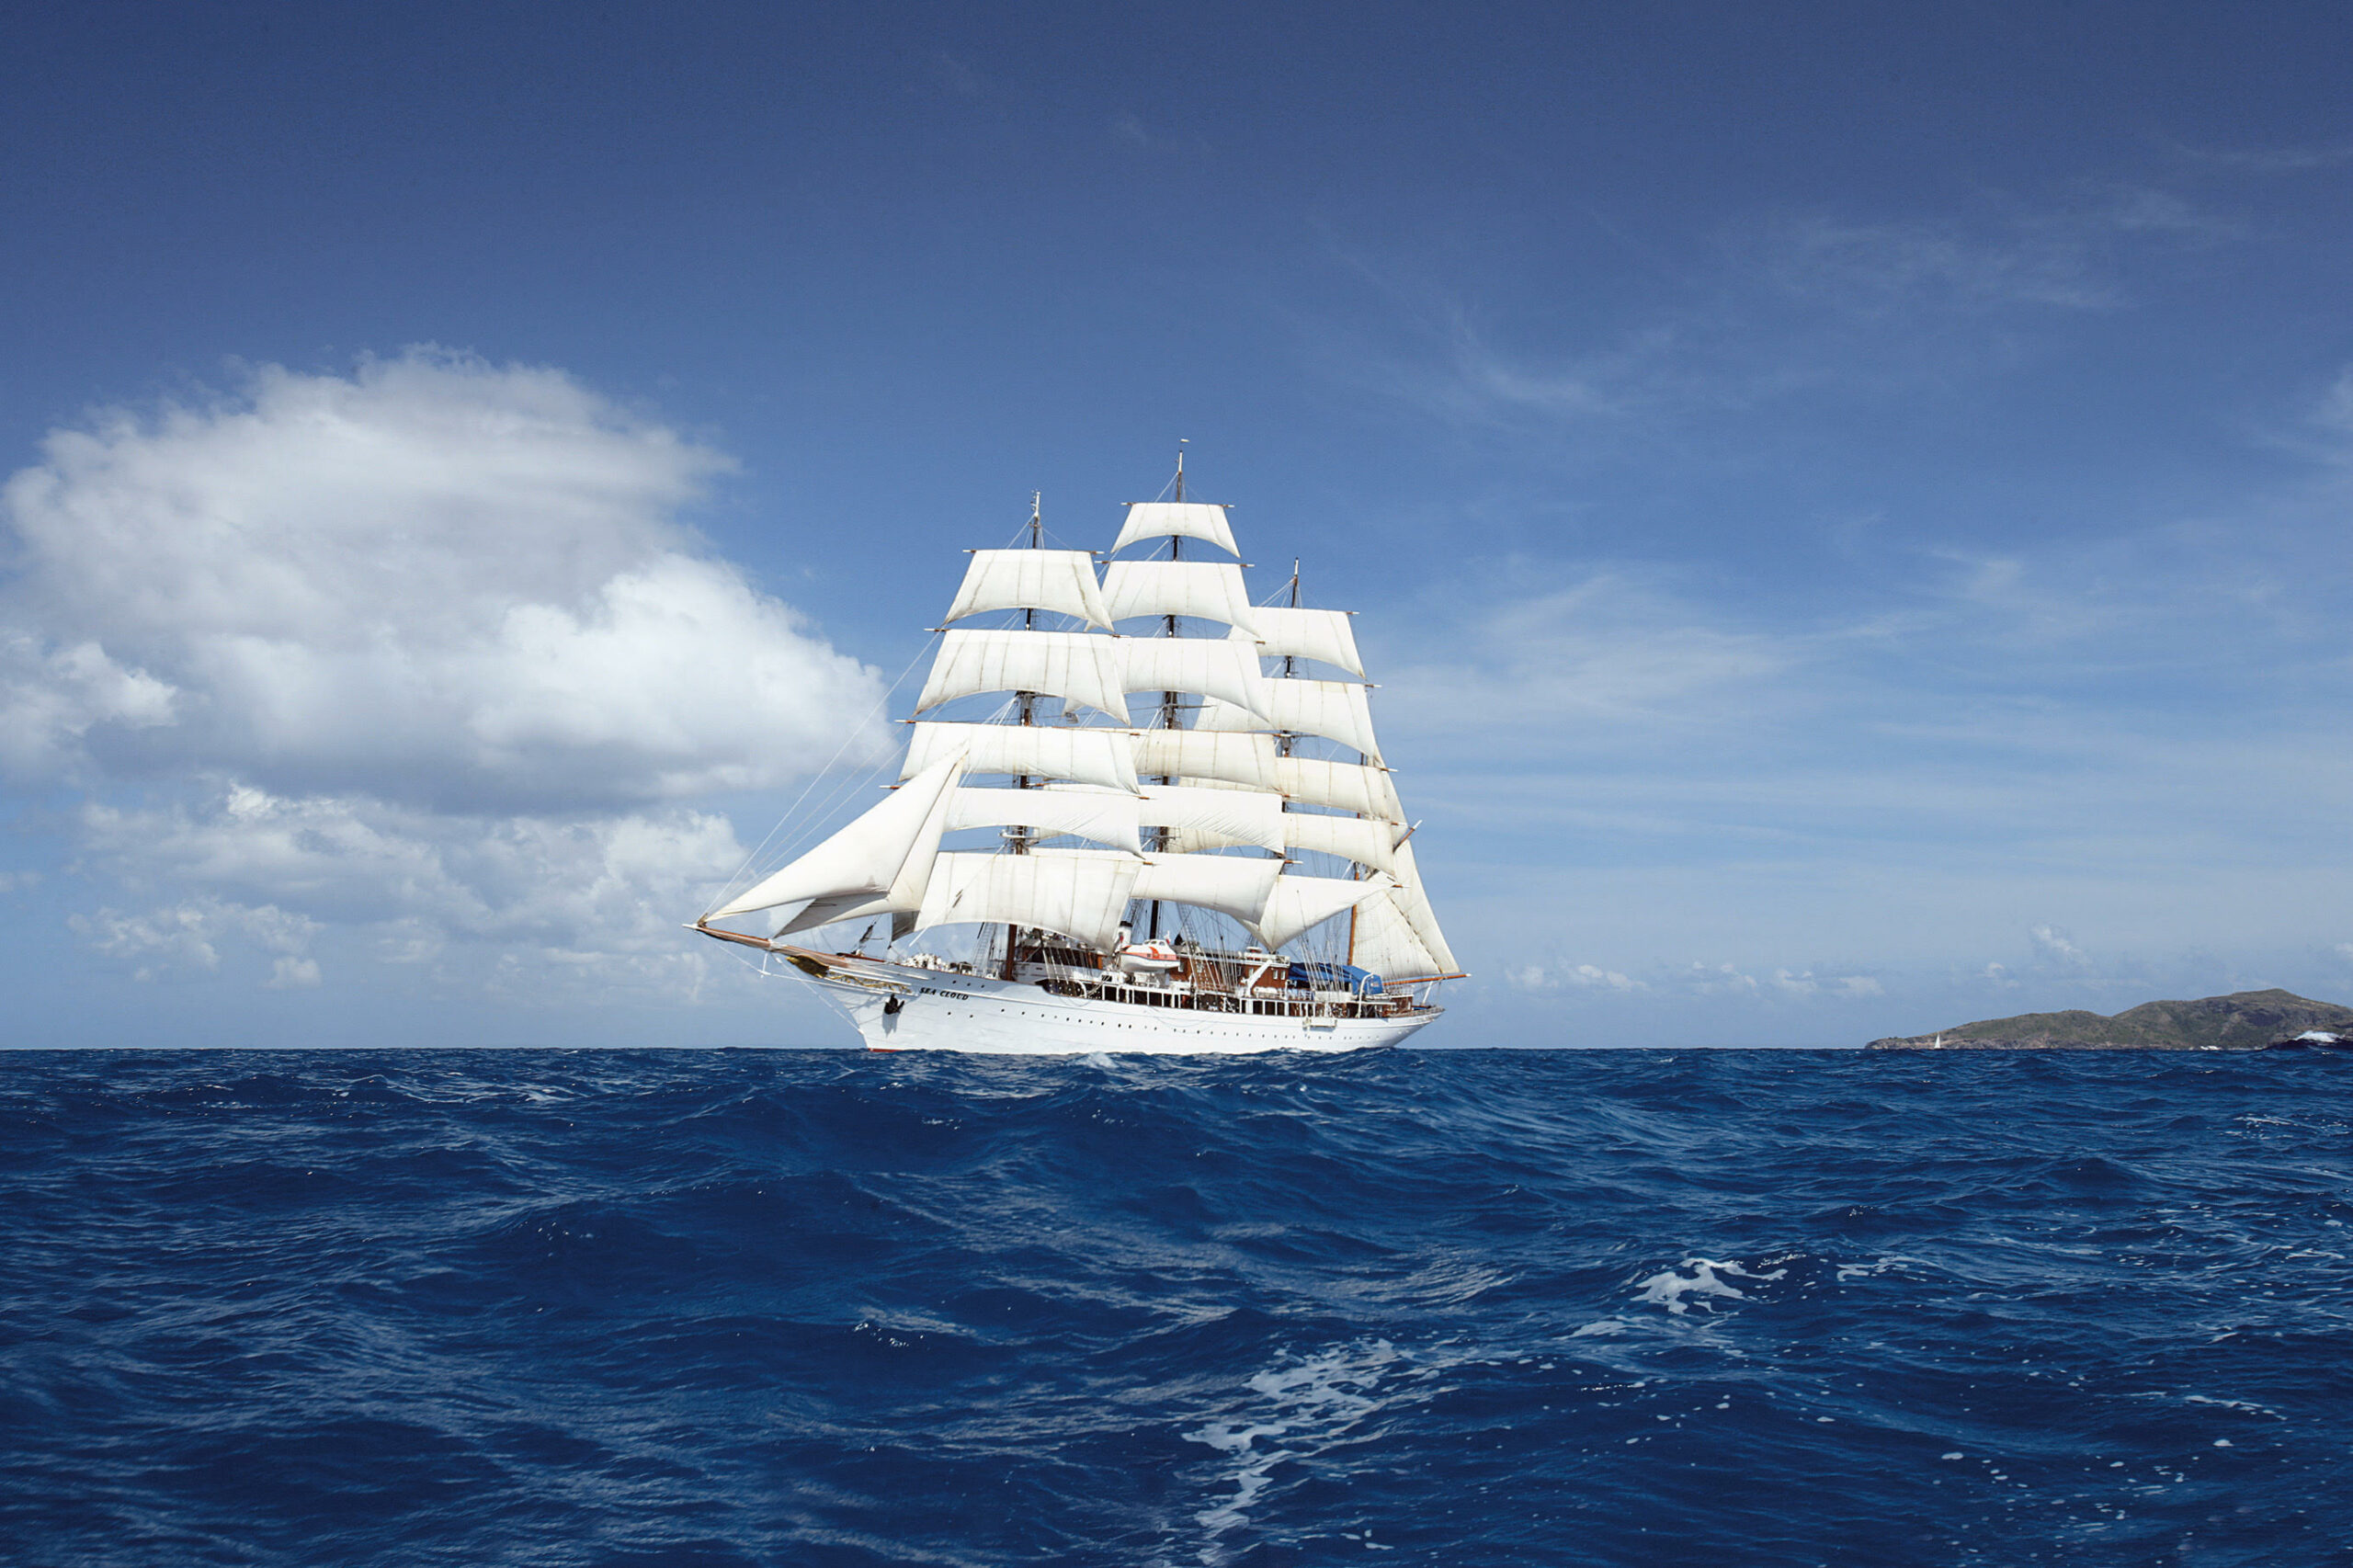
[1204,981]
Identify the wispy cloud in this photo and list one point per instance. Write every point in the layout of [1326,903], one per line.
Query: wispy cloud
[1785,304]
[2062,257]
[2272,159]
[954,76]
[1608,647]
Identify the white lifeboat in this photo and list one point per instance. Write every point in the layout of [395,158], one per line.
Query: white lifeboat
[1148,957]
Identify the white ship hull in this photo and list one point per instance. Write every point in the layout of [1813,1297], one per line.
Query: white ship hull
[940,1011]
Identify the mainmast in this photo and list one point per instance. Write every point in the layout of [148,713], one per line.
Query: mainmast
[1018,836]
[1167,698]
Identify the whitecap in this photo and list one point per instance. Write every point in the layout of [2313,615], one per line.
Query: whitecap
[1711,1279]
[1304,1407]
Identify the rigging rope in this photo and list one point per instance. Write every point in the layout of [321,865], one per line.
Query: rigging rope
[856,729]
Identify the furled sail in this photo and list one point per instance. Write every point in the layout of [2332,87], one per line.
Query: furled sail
[1084,757]
[1246,760]
[1079,896]
[1184,519]
[1210,819]
[1343,786]
[1225,672]
[885,854]
[1386,945]
[1211,590]
[1298,903]
[1333,709]
[1107,816]
[1073,664]
[1061,581]
[1323,635]
[1366,841]
[1415,905]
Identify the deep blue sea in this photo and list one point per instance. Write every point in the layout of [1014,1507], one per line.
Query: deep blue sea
[697,1309]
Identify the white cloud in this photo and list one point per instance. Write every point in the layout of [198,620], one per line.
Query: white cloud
[2057,257]
[435,581]
[1608,647]
[1558,976]
[49,699]
[597,896]
[184,939]
[423,654]
[2055,948]
[292,974]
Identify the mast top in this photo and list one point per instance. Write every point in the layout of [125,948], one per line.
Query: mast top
[1180,469]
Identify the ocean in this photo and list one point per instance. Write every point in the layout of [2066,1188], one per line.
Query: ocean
[710,1308]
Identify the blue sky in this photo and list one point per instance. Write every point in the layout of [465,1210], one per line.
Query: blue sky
[1848,504]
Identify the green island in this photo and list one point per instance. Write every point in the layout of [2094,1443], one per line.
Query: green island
[2245,1020]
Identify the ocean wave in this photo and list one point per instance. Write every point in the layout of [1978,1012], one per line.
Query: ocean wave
[1466,1307]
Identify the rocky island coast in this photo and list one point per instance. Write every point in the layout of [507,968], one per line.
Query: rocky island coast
[2246,1021]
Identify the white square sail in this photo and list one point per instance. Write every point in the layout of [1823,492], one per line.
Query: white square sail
[1061,581]
[1323,635]
[1041,751]
[1075,665]
[1182,519]
[1210,590]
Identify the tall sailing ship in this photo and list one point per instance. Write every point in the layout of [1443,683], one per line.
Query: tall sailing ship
[1197,847]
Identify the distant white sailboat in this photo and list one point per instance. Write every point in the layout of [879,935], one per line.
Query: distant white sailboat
[1235,874]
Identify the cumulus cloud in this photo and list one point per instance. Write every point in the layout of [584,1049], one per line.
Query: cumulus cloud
[185,939]
[598,896]
[422,654]
[435,581]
